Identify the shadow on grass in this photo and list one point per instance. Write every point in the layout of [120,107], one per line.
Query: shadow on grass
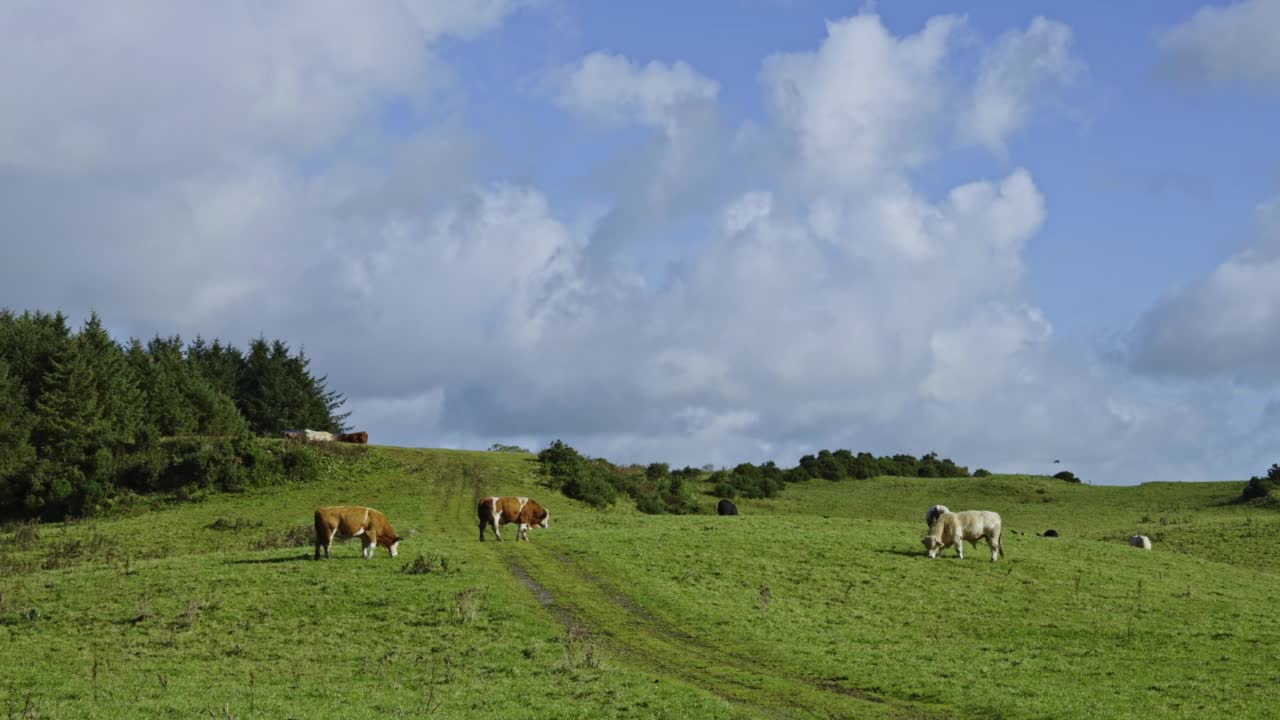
[904,553]
[270,561]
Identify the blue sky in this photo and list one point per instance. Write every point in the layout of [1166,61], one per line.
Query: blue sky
[689,232]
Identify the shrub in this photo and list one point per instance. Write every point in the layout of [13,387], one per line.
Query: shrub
[651,505]
[1067,475]
[982,472]
[1262,489]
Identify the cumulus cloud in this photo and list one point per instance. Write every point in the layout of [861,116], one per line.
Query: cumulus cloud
[1224,324]
[1230,45]
[662,178]
[863,103]
[1021,68]
[613,88]
[178,86]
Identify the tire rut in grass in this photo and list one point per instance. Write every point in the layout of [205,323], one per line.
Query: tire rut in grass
[709,654]
[563,615]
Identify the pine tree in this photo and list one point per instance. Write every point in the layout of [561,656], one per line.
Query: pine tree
[68,420]
[30,342]
[16,452]
[116,386]
[163,380]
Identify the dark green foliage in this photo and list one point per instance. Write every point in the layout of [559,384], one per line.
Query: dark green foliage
[599,482]
[16,453]
[657,489]
[276,391]
[83,419]
[844,465]
[1263,489]
[1067,475]
[749,481]
[982,472]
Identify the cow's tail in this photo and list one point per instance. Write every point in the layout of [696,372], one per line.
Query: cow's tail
[1000,541]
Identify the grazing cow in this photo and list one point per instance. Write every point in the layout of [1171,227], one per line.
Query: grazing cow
[1049,533]
[952,529]
[498,511]
[934,513]
[360,438]
[1140,541]
[348,521]
[317,436]
[725,507]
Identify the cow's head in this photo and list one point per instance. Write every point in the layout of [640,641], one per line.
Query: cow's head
[392,544]
[932,545]
[541,518]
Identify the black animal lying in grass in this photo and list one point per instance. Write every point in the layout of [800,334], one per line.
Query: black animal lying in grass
[726,508]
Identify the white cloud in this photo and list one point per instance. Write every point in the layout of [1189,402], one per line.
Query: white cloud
[611,87]
[658,181]
[1224,324]
[861,105]
[161,86]
[1022,67]
[1230,45]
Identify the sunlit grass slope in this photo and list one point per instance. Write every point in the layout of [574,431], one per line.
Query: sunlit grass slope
[817,604]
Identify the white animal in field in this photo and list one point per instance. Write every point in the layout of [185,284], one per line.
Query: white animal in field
[934,513]
[953,529]
[1140,541]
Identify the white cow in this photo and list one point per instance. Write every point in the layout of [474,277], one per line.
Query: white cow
[318,436]
[1140,541]
[952,529]
[934,513]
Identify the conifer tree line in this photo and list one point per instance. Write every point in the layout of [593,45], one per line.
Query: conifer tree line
[78,408]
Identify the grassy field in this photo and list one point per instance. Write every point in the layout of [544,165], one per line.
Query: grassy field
[818,604]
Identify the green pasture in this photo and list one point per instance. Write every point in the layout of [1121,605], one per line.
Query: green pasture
[820,603]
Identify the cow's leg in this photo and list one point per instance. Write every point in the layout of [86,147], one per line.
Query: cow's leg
[329,543]
[524,532]
[960,549]
[318,528]
[483,523]
[497,523]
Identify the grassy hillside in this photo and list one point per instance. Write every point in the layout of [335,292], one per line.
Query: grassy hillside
[817,604]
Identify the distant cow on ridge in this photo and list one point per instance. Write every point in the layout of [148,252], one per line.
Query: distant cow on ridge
[725,507]
[497,511]
[348,521]
[361,438]
[1140,541]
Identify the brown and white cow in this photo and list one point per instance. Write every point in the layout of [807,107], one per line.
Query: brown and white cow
[348,521]
[497,511]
